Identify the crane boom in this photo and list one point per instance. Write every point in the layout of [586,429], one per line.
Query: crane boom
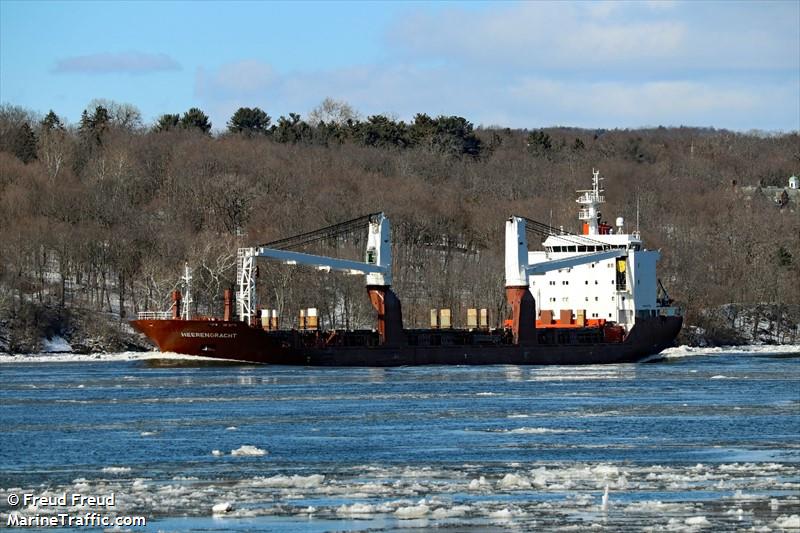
[377,264]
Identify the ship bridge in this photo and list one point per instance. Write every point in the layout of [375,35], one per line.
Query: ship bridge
[603,274]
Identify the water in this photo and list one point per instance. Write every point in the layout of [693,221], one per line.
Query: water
[701,439]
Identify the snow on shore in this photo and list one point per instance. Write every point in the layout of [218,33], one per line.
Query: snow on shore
[692,351]
[97,357]
[669,353]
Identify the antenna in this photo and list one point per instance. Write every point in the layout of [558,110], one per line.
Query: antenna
[637,209]
[187,280]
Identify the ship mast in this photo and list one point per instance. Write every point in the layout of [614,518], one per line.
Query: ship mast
[590,201]
[187,283]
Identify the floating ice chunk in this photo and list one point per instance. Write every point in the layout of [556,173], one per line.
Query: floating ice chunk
[231,428]
[605,471]
[485,394]
[478,484]
[217,453]
[248,451]
[452,512]
[774,504]
[147,433]
[788,523]
[513,481]
[502,513]
[299,482]
[116,470]
[412,511]
[604,500]
[697,521]
[356,509]
[719,376]
[222,508]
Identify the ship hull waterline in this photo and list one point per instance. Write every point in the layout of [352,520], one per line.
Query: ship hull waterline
[235,340]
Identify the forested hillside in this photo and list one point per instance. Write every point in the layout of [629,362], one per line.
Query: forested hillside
[98,218]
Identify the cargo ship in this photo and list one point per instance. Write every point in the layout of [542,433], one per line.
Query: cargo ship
[599,302]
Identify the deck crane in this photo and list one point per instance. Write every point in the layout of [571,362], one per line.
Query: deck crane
[377,267]
[518,269]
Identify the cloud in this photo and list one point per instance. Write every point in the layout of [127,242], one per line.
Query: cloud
[108,63]
[534,64]
[522,100]
[600,35]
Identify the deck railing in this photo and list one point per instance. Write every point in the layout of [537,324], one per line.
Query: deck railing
[155,315]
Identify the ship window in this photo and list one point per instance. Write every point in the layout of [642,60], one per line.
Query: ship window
[565,299]
[638,281]
[552,299]
[587,298]
[593,264]
[587,282]
[612,298]
[572,248]
[596,299]
[609,315]
[623,298]
[595,282]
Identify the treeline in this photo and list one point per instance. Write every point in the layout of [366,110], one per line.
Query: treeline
[102,215]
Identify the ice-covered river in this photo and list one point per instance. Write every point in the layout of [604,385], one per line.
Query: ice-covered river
[702,439]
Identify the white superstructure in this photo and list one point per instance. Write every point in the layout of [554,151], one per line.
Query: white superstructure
[615,289]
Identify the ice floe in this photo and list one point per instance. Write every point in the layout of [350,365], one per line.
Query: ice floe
[222,508]
[116,470]
[412,511]
[248,451]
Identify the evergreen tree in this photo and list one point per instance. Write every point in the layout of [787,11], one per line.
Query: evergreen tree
[195,118]
[249,121]
[451,135]
[167,122]
[92,127]
[540,144]
[51,122]
[380,130]
[25,143]
[291,130]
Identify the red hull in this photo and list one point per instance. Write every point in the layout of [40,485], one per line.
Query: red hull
[237,341]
